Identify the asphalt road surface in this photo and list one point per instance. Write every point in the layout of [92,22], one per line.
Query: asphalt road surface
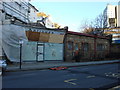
[94,76]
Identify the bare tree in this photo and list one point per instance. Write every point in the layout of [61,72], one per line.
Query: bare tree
[97,25]
[84,24]
[87,26]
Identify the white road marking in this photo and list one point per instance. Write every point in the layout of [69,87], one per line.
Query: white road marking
[117,75]
[68,81]
[115,88]
[28,74]
[90,76]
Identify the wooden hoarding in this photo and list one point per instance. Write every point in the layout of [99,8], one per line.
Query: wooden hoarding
[33,36]
[56,38]
[44,37]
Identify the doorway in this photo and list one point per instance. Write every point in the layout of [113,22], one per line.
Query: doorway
[40,50]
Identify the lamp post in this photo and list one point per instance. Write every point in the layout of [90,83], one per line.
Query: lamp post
[20,42]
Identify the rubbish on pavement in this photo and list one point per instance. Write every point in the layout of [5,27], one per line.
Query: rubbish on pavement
[58,68]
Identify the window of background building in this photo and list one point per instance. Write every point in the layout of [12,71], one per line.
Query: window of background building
[100,47]
[70,45]
[85,46]
[76,46]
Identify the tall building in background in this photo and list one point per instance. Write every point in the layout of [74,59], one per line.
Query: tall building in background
[118,14]
[110,15]
[112,22]
[17,9]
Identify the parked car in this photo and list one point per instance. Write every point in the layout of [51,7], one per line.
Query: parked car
[3,66]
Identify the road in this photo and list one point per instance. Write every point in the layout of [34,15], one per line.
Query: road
[94,76]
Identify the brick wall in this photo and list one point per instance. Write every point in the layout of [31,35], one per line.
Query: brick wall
[90,48]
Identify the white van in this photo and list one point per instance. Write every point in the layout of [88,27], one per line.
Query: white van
[3,66]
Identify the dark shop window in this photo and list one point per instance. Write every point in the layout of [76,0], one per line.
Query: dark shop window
[85,47]
[100,47]
[76,46]
[70,45]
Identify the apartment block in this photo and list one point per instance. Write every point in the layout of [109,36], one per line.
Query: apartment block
[118,14]
[15,9]
[33,13]
[112,25]
[110,16]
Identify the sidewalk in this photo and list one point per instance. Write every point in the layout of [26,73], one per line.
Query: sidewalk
[46,65]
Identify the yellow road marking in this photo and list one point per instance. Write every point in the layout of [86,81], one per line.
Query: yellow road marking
[68,81]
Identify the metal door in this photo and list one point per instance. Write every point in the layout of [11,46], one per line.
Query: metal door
[40,52]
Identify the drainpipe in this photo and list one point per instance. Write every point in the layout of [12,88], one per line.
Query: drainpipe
[64,44]
[110,44]
[95,46]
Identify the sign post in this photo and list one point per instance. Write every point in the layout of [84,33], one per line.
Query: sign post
[20,42]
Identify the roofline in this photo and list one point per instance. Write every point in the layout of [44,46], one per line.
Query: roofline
[40,27]
[34,7]
[87,35]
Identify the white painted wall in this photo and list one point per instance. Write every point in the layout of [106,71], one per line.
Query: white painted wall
[33,15]
[111,11]
[118,14]
[0,33]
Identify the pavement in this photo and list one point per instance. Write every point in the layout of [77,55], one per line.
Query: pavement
[46,65]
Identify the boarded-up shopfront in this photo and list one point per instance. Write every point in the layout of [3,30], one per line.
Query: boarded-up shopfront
[37,51]
[39,43]
[44,45]
[89,47]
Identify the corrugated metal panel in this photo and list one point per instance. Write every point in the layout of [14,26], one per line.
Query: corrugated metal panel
[53,51]
[29,50]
